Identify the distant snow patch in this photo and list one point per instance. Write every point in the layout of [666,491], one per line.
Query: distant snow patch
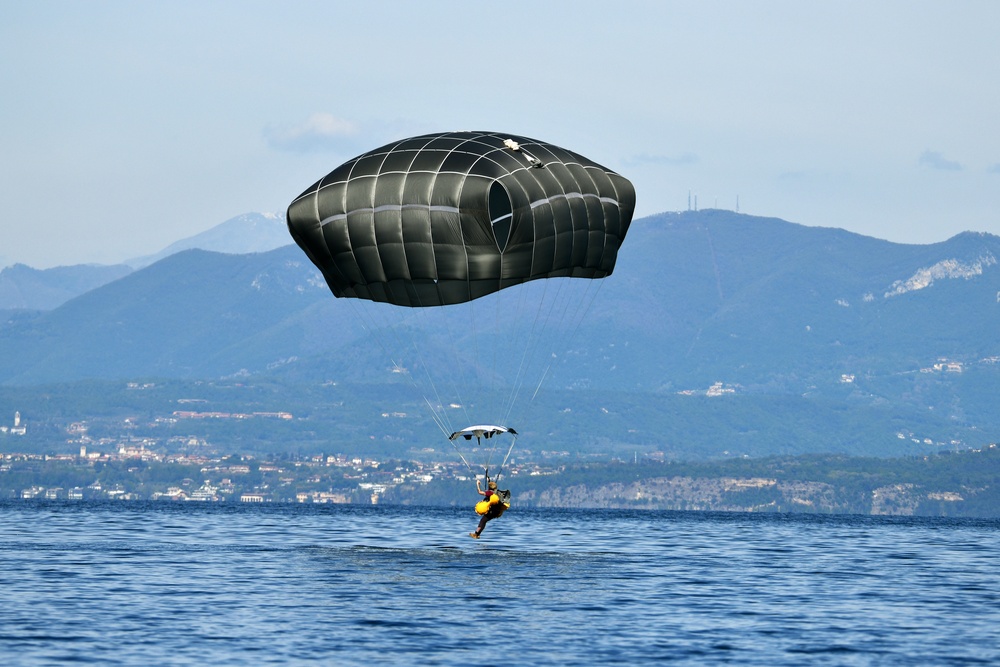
[947,268]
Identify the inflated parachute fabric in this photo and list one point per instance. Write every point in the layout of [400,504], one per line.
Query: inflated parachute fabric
[446,218]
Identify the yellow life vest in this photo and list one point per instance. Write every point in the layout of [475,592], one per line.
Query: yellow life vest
[484,505]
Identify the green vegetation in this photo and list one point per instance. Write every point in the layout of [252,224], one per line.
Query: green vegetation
[950,484]
[328,441]
[388,420]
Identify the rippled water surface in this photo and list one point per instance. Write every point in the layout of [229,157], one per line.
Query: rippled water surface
[177,584]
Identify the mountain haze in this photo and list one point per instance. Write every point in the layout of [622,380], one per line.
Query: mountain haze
[754,300]
[244,234]
[717,331]
[26,288]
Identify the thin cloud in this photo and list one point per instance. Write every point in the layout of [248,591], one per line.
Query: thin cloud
[795,175]
[318,132]
[994,168]
[936,160]
[669,160]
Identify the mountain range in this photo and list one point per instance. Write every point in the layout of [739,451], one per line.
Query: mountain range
[25,288]
[717,332]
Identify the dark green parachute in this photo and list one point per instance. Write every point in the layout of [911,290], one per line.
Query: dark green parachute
[446,218]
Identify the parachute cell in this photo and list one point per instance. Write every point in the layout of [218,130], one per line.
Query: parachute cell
[446,218]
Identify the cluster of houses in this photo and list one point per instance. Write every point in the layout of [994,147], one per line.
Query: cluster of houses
[17,429]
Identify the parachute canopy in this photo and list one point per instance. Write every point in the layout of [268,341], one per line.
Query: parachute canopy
[447,218]
[487,452]
[481,431]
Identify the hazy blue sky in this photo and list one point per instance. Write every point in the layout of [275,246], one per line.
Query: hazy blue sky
[125,126]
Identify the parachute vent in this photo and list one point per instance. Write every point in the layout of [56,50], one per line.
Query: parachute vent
[501,214]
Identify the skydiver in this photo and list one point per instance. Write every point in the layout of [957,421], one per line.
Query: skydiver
[495,506]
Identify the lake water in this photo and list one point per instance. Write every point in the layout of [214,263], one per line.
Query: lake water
[212,584]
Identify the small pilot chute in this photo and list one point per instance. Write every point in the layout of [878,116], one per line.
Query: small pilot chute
[481,431]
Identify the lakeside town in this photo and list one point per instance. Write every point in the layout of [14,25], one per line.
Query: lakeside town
[136,472]
[129,466]
[188,468]
[124,475]
[950,484]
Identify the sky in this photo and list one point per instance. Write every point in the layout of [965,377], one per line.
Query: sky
[126,126]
